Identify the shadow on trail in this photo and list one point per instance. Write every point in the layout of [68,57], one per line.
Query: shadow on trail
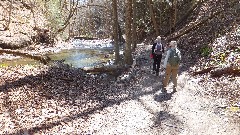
[67,87]
[168,123]
[163,97]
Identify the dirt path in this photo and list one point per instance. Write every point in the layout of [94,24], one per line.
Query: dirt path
[133,105]
[185,112]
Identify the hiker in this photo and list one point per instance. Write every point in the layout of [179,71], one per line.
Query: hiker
[171,64]
[157,51]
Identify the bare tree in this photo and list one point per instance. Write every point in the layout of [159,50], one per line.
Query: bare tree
[73,8]
[128,49]
[174,14]
[134,27]
[150,4]
[115,31]
[9,15]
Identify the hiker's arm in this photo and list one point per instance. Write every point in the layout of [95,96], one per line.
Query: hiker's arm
[163,48]
[179,54]
[166,59]
[153,48]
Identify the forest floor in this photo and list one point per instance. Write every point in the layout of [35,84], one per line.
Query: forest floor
[59,99]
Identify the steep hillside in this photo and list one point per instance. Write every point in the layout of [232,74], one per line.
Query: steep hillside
[20,24]
[211,51]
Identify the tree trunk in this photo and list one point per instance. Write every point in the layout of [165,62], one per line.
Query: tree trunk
[105,69]
[128,49]
[72,10]
[134,27]
[153,16]
[217,72]
[9,15]
[42,59]
[120,35]
[115,31]
[174,15]
[185,16]
[171,18]
[192,27]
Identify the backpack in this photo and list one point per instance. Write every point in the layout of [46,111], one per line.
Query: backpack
[174,58]
[158,49]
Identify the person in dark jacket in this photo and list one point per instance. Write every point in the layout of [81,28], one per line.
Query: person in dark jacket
[157,51]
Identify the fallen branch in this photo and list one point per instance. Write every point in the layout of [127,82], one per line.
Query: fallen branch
[203,71]
[42,59]
[217,72]
[230,70]
[105,69]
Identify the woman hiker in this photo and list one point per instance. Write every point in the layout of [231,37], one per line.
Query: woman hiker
[157,51]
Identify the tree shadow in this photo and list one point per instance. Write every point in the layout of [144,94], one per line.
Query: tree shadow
[164,96]
[165,122]
[66,86]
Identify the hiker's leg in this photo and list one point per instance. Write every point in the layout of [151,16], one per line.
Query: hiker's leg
[158,65]
[174,75]
[154,63]
[167,75]
[159,62]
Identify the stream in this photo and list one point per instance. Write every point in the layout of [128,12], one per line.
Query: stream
[84,53]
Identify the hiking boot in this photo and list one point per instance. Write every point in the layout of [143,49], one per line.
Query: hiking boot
[174,89]
[164,90]
[153,72]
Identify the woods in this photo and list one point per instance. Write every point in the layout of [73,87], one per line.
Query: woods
[114,90]
[68,19]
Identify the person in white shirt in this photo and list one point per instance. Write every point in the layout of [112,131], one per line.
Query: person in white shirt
[171,64]
[157,51]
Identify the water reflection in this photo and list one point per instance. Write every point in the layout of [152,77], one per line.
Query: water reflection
[75,57]
[84,53]
[83,57]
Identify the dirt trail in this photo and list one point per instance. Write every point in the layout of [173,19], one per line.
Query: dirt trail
[137,109]
[186,112]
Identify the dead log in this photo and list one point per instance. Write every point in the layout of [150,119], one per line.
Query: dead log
[230,70]
[219,71]
[85,38]
[42,59]
[106,69]
[14,42]
[203,71]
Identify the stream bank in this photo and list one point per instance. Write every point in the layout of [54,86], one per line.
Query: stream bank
[77,53]
[64,100]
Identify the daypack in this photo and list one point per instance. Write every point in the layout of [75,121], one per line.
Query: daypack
[158,49]
[174,58]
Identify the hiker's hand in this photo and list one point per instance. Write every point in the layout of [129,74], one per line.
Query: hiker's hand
[151,55]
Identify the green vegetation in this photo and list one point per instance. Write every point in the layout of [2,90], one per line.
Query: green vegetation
[205,51]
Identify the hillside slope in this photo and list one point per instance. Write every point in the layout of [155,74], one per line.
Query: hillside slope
[20,24]
[211,51]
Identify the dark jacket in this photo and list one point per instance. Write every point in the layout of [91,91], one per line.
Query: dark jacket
[153,47]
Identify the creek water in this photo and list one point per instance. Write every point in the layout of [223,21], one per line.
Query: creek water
[81,55]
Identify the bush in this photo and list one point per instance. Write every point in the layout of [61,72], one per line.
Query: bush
[205,51]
